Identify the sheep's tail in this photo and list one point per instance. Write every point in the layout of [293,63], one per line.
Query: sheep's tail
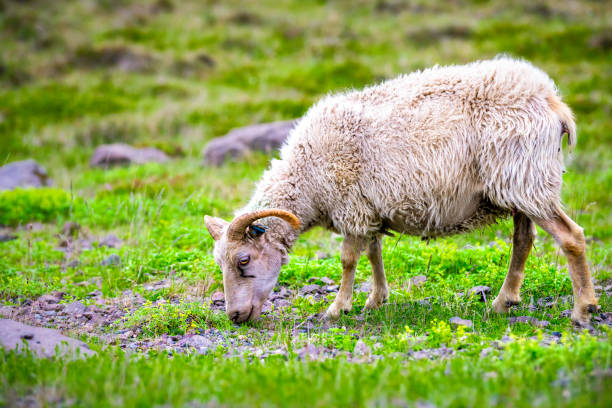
[568,126]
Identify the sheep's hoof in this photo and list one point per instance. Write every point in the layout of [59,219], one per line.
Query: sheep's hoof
[502,304]
[581,316]
[376,299]
[334,312]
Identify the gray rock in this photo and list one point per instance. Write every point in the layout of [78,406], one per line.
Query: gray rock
[41,341]
[457,321]
[7,237]
[162,284]
[308,351]
[122,154]
[111,260]
[111,241]
[322,255]
[308,289]
[362,349]
[263,137]
[25,173]
[218,298]
[197,341]
[481,292]
[75,308]
[418,281]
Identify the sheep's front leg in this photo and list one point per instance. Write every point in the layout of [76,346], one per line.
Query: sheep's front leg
[380,292]
[351,251]
[522,241]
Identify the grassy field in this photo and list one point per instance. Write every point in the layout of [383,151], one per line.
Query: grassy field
[173,75]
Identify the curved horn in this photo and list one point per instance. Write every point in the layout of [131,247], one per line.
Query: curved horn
[237,228]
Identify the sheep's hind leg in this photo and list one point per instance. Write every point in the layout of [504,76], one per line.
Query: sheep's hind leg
[522,241]
[351,251]
[380,292]
[570,237]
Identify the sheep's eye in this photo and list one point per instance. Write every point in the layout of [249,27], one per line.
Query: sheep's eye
[243,260]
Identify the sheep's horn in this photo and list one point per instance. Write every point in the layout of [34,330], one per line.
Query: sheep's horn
[237,228]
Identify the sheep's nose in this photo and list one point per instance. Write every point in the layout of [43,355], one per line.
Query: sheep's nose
[240,316]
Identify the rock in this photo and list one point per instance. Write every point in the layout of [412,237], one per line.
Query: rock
[547,302]
[122,154]
[418,281]
[218,298]
[197,341]
[481,292]
[529,320]
[71,229]
[7,237]
[41,341]
[311,351]
[75,308]
[162,284]
[25,173]
[324,279]
[322,255]
[362,349]
[111,260]
[457,321]
[111,241]
[308,289]
[282,303]
[264,137]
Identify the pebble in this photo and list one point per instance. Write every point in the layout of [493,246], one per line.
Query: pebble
[457,321]
[418,281]
[362,349]
[111,260]
[482,292]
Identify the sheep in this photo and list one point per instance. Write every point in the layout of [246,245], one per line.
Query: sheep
[432,153]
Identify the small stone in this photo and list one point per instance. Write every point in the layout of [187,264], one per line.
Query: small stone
[121,154]
[27,336]
[322,255]
[457,321]
[111,260]
[162,284]
[25,173]
[7,237]
[481,292]
[73,264]
[418,281]
[71,229]
[111,241]
[310,351]
[218,298]
[282,303]
[75,308]
[362,349]
[520,319]
[540,323]
[547,302]
[309,289]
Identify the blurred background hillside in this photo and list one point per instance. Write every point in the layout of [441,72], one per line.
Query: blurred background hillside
[174,74]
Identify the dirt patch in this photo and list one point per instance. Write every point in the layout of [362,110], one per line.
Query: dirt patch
[115,56]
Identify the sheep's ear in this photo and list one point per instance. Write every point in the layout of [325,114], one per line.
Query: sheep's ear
[215,226]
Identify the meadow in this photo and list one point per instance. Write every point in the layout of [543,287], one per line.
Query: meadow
[174,75]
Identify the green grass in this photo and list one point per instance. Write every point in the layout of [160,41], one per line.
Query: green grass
[207,67]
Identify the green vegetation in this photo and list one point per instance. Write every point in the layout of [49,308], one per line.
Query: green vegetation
[173,75]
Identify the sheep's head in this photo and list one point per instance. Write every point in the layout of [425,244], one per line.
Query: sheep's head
[250,260]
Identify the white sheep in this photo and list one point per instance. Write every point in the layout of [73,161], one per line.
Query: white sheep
[432,153]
